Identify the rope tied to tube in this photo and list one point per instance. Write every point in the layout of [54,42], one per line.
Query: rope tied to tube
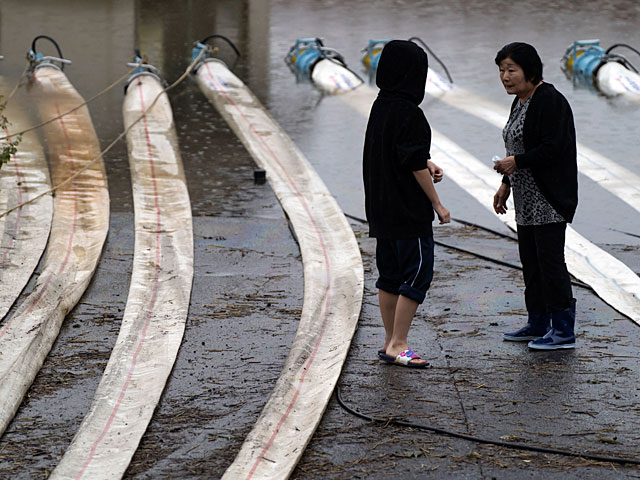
[113,143]
[63,114]
[36,60]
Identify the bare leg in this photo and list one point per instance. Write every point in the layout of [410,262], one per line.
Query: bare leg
[404,313]
[388,303]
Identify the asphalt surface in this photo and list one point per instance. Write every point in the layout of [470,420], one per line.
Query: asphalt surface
[246,300]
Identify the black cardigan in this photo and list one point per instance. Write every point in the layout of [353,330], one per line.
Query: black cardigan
[550,149]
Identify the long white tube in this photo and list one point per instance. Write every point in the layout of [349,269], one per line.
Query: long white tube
[614,79]
[23,232]
[333,283]
[158,302]
[78,232]
[333,78]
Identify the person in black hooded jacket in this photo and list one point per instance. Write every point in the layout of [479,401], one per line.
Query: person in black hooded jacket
[541,169]
[400,197]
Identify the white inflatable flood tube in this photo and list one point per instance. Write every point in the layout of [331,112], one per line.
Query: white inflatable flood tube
[158,302]
[614,79]
[333,283]
[611,279]
[618,180]
[333,78]
[24,231]
[78,231]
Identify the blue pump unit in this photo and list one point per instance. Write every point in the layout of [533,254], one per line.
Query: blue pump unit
[582,60]
[306,53]
[303,55]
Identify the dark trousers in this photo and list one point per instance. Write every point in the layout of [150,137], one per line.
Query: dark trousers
[546,279]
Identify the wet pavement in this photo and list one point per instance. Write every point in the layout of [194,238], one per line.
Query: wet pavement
[582,401]
[246,300]
[248,288]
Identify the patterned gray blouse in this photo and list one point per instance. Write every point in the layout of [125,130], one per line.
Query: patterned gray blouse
[532,208]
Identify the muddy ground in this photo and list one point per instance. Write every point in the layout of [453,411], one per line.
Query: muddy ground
[246,301]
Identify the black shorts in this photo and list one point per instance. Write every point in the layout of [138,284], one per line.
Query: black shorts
[405,266]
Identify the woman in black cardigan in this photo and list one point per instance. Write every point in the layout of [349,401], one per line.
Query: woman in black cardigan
[541,169]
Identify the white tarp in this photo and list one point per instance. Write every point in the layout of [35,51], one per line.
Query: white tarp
[24,231]
[78,231]
[612,280]
[158,302]
[333,283]
[615,178]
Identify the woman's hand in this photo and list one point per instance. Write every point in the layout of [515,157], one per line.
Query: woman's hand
[436,172]
[500,199]
[506,166]
[443,214]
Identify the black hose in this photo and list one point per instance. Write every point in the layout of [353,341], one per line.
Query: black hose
[47,37]
[500,262]
[620,58]
[621,45]
[626,233]
[222,37]
[357,219]
[486,229]
[472,438]
[418,40]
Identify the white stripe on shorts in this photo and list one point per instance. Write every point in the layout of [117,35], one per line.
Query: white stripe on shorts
[420,265]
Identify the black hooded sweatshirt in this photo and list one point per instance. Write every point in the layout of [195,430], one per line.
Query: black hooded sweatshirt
[396,144]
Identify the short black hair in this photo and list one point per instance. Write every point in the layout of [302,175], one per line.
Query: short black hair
[526,57]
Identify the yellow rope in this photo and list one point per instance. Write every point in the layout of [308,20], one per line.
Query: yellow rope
[110,146]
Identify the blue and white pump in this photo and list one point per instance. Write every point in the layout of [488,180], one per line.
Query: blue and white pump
[612,74]
[309,59]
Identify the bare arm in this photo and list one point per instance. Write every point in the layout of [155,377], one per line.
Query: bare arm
[424,180]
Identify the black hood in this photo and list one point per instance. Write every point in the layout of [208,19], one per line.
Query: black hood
[402,71]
